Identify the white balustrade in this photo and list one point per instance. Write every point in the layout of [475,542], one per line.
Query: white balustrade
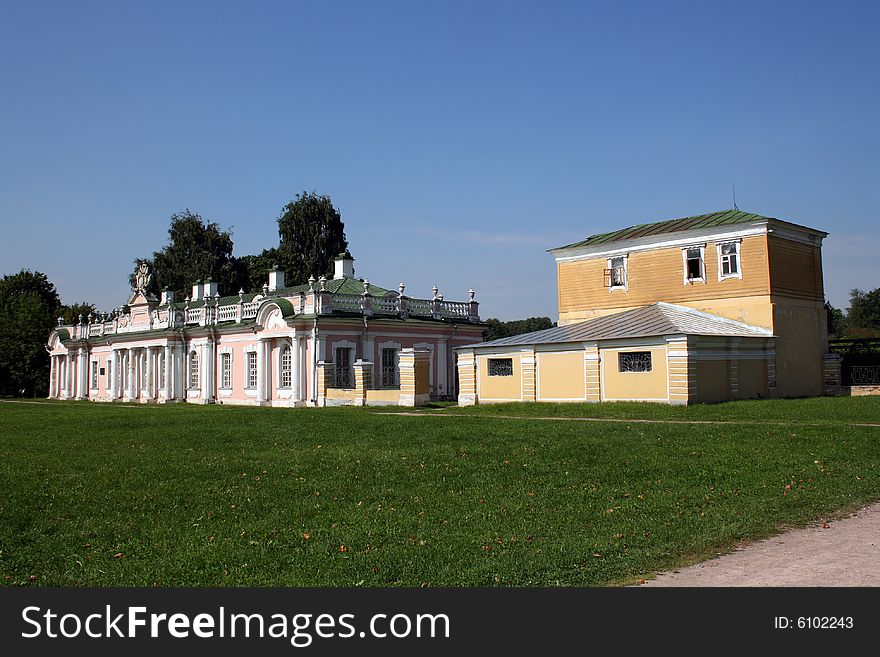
[227,313]
[249,310]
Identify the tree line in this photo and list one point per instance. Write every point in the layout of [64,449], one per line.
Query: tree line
[862,318]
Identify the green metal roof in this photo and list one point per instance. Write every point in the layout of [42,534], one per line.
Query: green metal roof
[711,220]
[345,285]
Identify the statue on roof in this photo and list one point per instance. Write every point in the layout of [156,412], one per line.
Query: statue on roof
[142,278]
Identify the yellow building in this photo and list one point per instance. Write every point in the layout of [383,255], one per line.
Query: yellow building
[720,306]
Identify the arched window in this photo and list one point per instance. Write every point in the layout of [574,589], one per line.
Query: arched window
[286,374]
[193,369]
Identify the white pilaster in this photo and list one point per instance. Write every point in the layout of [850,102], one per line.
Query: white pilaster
[112,372]
[169,374]
[51,376]
[150,374]
[81,374]
[261,370]
[129,375]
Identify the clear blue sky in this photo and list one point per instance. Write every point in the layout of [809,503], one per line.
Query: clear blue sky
[460,140]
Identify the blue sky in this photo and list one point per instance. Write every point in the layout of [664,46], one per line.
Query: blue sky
[460,140]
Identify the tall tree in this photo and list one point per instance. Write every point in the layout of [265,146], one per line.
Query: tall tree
[29,306]
[863,317]
[196,250]
[311,235]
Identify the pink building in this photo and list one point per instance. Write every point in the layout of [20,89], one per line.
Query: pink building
[330,342]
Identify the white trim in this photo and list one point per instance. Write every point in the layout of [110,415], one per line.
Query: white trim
[279,348]
[625,286]
[738,274]
[651,242]
[684,261]
[602,360]
[479,379]
[220,386]
[538,396]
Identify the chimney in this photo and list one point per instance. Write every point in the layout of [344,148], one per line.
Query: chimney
[276,278]
[210,289]
[198,291]
[344,265]
[167,296]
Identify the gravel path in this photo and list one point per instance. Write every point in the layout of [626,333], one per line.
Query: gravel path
[843,552]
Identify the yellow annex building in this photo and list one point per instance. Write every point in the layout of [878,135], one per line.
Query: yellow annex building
[720,306]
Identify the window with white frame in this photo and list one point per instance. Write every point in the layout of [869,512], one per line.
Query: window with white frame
[728,260]
[226,370]
[94,375]
[389,368]
[615,274]
[109,380]
[286,366]
[500,367]
[634,361]
[252,369]
[193,370]
[694,267]
[343,374]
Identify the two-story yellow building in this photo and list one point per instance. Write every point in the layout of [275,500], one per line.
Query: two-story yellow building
[727,305]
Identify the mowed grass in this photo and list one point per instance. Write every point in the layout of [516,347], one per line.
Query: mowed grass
[101,495]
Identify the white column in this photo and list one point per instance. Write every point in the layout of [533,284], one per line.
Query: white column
[86,384]
[169,375]
[261,370]
[68,375]
[151,372]
[294,369]
[129,374]
[112,374]
[51,376]
[210,371]
[179,383]
[80,364]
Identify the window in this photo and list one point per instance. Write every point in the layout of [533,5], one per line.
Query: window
[286,369]
[693,264]
[252,369]
[225,370]
[344,376]
[193,370]
[109,380]
[500,367]
[634,361]
[94,375]
[389,368]
[615,275]
[728,260]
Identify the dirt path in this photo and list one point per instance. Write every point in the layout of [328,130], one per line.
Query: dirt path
[843,552]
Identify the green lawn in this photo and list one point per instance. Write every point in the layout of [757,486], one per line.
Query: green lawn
[103,495]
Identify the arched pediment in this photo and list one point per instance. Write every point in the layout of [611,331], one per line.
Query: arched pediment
[274,313]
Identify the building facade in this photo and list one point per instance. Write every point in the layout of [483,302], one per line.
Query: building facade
[720,306]
[330,342]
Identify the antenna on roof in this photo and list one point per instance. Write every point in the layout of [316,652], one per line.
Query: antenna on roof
[734,198]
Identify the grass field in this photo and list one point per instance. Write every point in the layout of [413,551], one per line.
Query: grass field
[103,495]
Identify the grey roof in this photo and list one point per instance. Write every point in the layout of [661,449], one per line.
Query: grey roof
[657,319]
